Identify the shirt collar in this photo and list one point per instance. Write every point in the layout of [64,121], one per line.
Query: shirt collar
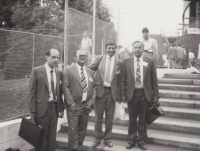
[141,58]
[48,69]
[79,67]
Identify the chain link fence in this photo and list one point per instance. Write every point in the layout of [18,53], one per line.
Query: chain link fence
[21,51]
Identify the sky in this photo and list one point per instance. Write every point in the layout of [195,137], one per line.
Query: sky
[156,15]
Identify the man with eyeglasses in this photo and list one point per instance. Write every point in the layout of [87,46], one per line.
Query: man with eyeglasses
[108,69]
[78,86]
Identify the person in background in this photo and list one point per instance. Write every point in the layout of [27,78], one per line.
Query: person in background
[191,57]
[171,56]
[150,45]
[139,87]
[180,56]
[46,103]
[86,44]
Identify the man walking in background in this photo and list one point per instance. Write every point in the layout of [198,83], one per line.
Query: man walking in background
[107,69]
[46,103]
[150,45]
[86,44]
[180,56]
[171,56]
[139,85]
[78,85]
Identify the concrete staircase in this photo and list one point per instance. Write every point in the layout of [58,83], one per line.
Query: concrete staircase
[178,130]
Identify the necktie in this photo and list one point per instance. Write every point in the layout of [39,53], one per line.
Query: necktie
[108,70]
[138,76]
[83,81]
[52,86]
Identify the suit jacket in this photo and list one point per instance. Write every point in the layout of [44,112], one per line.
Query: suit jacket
[39,91]
[100,76]
[172,53]
[72,88]
[180,53]
[150,80]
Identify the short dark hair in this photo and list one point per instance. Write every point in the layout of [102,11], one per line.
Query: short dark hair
[111,43]
[138,42]
[145,30]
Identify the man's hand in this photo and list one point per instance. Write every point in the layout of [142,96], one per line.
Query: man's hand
[88,106]
[61,114]
[155,100]
[33,117]
[73,108]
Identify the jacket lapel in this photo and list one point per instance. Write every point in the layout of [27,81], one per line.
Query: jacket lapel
[75,69]
[131,62]
[144,67]
[102,67]
[57,80]
[45,76]
[89,82]
[114,69]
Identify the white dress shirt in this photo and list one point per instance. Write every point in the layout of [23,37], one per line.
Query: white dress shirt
[86,43]
[48,71]
[148,44]
[108,84]
[84,96]
[141,68]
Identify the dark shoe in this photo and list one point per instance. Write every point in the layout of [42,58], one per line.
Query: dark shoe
[95,144]
[142,146]
[109,144]
[130,145]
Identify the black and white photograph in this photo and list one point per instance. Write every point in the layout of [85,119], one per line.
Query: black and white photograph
[99,75]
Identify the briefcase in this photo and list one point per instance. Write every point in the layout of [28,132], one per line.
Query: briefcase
[31,132]
[153,112]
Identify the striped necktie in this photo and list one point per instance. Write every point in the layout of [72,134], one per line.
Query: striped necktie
[138,76]
[83,81]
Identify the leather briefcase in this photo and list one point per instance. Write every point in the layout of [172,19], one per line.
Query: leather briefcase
[31,132]
[153,112]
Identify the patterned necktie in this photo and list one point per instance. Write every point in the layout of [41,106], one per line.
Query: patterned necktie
[138,76]
[52,86]
[83,81]
[108,70]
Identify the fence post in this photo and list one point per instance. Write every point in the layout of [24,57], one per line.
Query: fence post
[33,52]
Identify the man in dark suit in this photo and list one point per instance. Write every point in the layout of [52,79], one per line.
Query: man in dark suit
[79,90]
[180,56]
[139,85]
[107,69]
[46,103]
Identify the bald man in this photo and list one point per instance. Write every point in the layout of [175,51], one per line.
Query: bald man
[46,103]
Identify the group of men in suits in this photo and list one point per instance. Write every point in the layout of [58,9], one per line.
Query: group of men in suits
[97,86]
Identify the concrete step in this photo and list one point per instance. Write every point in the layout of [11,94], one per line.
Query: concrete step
[175,81]
[174,139]
[180,87]
[163,123]
[119,145]
[182,103]
[182,76]
[184,113]
[179,94]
